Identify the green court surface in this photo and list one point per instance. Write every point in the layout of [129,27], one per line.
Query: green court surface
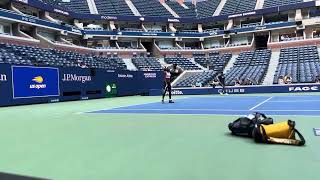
[61,141]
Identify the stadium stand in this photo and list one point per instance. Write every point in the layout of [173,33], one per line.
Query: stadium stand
[181,11]
[193,79]
[28,55]
[183,62]
[147,63]
[238,6]
[273,3]
[250,65]
[113,7]
[215,61]
[207,8]
[301,63]
[80,6]
[151,8]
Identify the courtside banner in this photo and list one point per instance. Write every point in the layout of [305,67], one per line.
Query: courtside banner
[31,82]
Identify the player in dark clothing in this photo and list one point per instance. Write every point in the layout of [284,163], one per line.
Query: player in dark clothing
[221,79]
[167,84]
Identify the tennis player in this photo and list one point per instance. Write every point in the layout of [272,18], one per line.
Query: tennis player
[167,84]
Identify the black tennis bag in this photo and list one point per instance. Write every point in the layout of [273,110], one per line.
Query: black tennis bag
[245,125]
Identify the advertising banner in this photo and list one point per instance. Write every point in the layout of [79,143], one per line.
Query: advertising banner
[31,82]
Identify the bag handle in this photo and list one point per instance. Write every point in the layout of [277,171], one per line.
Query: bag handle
[302,140]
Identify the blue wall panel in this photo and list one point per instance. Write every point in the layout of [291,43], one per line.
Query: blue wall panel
[74,83]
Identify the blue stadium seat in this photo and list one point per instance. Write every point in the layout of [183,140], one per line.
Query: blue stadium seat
[191,79]
[28,55]
[113,7]
[207,8]
[151,8]
[238,6]
[181,11]
[251,65]
[147,63]
[80,6]
[183,62]
[301,63]
[273,3]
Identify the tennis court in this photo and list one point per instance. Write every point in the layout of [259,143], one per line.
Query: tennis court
[138,138]
[229,105]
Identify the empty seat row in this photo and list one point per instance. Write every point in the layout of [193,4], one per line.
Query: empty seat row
[147,63]
[250,65]
[113,7]
[273,3]
[302,64]
[183,62]
[199,79]
[28,55]
[238,6]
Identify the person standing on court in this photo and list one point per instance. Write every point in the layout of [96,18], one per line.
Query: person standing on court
[167,84]
[221,79]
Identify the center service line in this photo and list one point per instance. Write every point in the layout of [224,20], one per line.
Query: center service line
[260,103]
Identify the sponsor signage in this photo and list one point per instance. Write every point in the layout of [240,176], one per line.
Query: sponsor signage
[111,89]
[29,82]
[303,88]
[150,75]
[3,78]
[76,78]
[244,89]
[125,76]
[175,92]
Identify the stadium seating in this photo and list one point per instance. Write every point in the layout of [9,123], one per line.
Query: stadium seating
[181,11]
[151,8]
[192,79]
[251,65]
[215,61]
[238,6]
[147,63]
[27,55]
[273,3]
[207,8]
[80,6]
[301,63]
[113,7]
[183,62]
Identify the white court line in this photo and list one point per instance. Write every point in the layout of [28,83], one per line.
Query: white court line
[233,115]
[126,106]
[222,110]
[260,104]
[297,101]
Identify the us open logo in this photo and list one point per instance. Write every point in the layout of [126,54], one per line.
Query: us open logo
[39,80]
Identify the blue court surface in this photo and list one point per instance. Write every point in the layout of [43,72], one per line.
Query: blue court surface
[228,105]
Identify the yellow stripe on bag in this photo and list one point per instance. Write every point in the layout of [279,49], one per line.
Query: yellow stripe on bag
[279,130]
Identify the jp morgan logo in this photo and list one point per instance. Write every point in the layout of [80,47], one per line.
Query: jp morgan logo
[76,78]
[3,78]
[303,89]
[38,83]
